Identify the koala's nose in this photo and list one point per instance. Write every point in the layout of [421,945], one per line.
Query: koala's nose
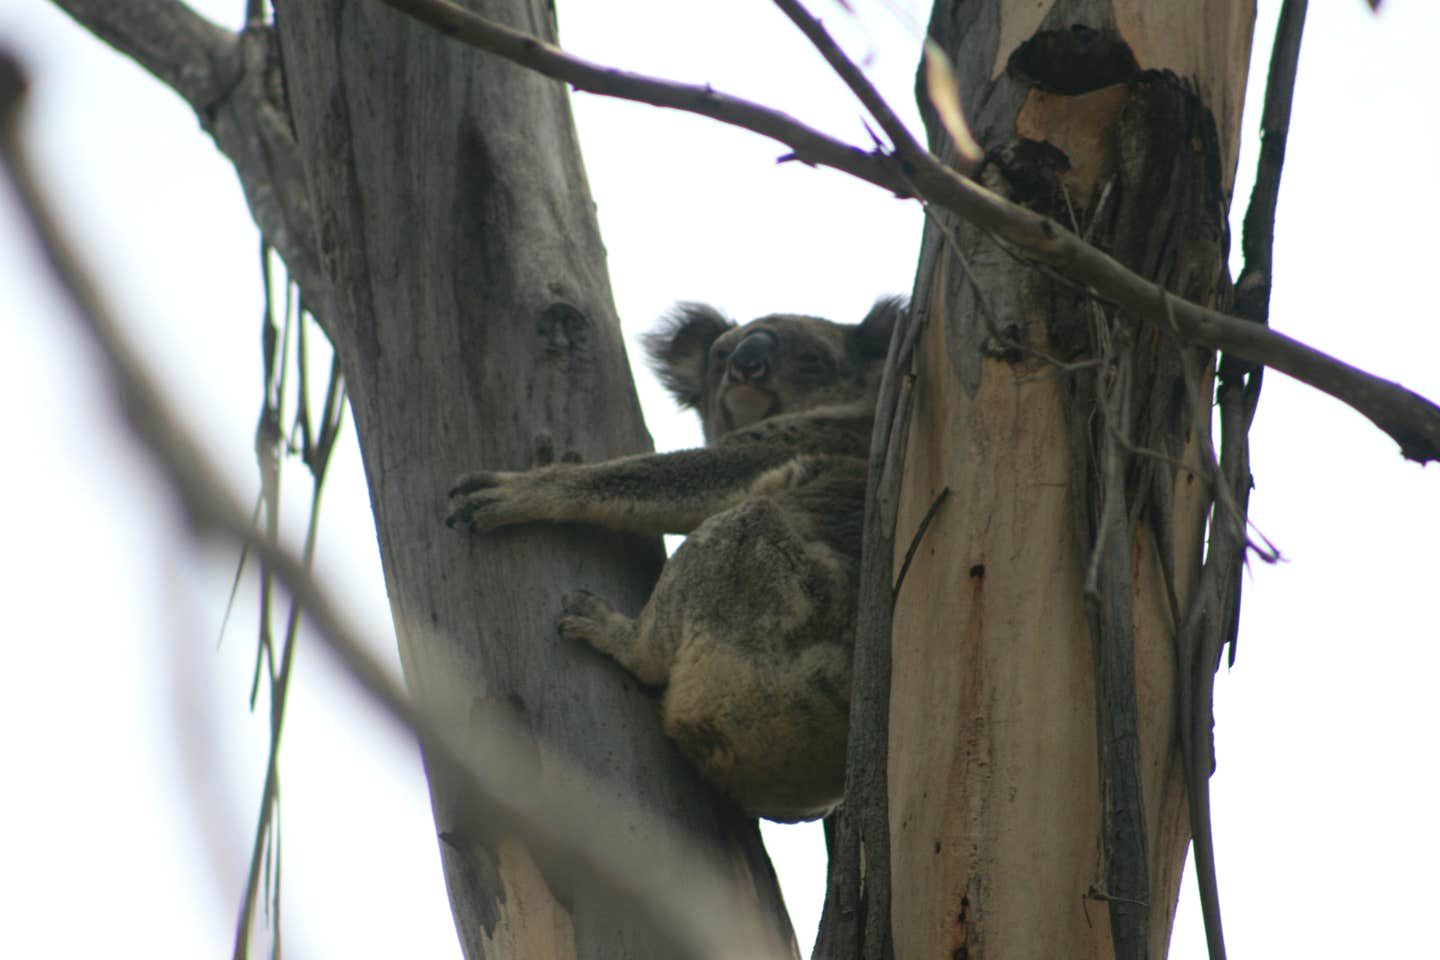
[751,359]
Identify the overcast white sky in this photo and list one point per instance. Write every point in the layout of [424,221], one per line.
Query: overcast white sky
[122,720]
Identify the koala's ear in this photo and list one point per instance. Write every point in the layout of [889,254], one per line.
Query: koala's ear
[873,334]
[679,349]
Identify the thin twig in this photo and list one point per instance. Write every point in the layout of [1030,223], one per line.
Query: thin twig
[917,538]
[806,144]
[1214,618]
[235,581]
[1113,385]
[1095,893]
[1158,456]
[904,142]
[316,457]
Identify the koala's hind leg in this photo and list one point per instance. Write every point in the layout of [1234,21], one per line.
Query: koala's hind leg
[589,618]
[759,619]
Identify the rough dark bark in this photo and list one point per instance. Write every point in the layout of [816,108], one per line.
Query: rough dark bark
[474,319]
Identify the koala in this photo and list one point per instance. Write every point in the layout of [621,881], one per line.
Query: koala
[750,628]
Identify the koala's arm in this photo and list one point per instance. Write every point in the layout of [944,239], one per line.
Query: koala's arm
[649,493]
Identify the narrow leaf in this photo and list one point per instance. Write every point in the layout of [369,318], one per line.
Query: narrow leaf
[943,87]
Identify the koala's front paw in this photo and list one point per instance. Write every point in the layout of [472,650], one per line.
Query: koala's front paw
[484,500]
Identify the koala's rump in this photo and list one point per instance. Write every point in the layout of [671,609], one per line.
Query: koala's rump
[771,736]
[760,614]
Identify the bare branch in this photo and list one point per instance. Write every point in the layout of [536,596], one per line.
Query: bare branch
[905,144]
[1258,237]
[232,82]
[806,144]
[578,831]
[1410,419]
[186,52]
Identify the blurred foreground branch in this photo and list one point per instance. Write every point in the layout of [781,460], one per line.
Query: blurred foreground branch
[574,831]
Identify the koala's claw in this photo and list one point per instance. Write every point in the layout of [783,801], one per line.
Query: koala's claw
[584,605]
[470,482]
[476,501]
[585,616]
[460,517]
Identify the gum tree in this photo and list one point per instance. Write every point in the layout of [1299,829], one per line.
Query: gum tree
[1030,746]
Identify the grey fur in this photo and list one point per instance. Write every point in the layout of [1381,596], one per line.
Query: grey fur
[751,625]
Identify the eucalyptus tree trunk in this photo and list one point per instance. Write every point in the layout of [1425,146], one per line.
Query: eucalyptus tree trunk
[1035,797]
[431,204]
[473,315]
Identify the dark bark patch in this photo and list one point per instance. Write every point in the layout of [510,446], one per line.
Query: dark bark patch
[483,222]
[1074,60]
[564,333]
[476,880]
[1031,170]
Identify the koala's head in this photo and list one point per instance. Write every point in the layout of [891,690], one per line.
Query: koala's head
[784,363]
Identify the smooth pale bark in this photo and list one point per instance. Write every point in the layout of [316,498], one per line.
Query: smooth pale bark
[473,315]
[995,798]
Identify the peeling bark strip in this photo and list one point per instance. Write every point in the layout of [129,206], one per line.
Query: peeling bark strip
[1033,732]
[856,919]
[1164,220]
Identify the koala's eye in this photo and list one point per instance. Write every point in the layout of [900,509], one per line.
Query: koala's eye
[719,355]
[811,366]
